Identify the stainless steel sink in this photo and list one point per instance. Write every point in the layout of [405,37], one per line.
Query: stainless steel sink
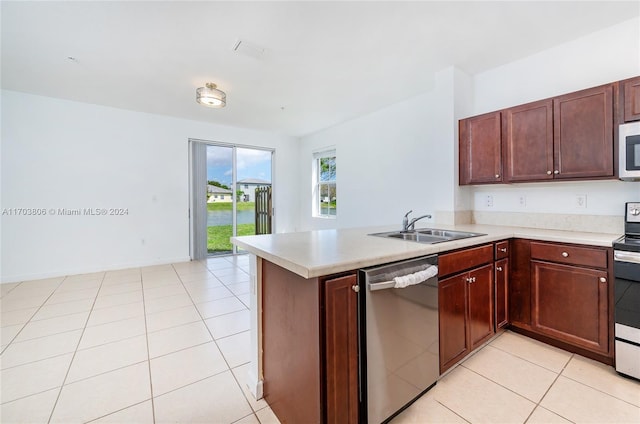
[428,235]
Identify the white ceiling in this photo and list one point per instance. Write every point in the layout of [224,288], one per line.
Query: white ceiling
[323,62]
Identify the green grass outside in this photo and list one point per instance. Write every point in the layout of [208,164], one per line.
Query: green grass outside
[227,206]
[218,236]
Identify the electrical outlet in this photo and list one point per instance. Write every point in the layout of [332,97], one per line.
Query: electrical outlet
[581,201]
[489,201]
[522,201]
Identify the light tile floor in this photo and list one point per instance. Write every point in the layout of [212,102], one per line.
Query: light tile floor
[171,344]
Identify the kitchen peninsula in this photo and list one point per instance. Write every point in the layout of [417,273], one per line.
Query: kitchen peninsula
[304,299]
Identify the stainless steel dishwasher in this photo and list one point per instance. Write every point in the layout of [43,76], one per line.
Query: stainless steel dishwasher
[399,348]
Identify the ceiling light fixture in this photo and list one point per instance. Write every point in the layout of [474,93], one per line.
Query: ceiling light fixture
[210,96]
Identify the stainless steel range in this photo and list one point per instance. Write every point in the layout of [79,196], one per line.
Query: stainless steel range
[627,294]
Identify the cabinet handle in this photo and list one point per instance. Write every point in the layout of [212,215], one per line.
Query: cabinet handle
[556,172]
[497,175]
[603,280]
[565,255]
[503,250]
[355,288]
[471,280]
[498,268]
[548,172]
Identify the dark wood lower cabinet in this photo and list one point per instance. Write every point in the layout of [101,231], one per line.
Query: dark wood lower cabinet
[502,293]
[520,284]
[570,303]
[310,346]
[562,294]
[465,303]
[480,307]
[341,349]
[452,308]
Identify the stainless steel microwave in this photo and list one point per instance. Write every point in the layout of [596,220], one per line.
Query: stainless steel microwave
[629,151]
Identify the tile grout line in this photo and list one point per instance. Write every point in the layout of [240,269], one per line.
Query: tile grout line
[11,289]
[452,411]
[527,360]
[31,317]
[146,336]
[229,369]
[203,321]
[600,391]
[115,412]
[496,383]
[66,375]
[235,266]
[538,405]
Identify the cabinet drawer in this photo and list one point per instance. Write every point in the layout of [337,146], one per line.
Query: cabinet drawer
[450,263]
[572,255]
[502,249]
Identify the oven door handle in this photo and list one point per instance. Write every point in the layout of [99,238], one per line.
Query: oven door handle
[631,257]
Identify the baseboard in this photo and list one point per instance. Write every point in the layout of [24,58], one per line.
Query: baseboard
[63,273]
[255,385]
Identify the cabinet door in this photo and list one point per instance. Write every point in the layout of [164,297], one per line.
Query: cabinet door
[631,99]
[583,133]
[528,133]
[570,303]
[502,292]
[481,149]
[452,318]
[520,283]
[480,304]
[341,349]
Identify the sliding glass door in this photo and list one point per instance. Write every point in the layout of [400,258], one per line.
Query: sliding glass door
[238,186]
[220,199]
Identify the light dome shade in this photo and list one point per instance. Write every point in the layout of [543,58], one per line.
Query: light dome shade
[210,96]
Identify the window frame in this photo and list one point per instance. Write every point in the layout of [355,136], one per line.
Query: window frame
[318,184]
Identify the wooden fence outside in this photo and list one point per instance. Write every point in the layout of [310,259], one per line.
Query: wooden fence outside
[264,208]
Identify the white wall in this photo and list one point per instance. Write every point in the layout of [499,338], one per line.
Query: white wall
[599,58]
[63,154]
[388,162]
[406,156]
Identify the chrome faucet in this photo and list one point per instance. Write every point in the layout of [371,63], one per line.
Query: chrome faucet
[409,225]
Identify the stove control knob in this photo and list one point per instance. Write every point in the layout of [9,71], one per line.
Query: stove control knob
[634,212]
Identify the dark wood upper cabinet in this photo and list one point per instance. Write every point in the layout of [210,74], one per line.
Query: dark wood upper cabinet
[583,133]
[481,149]
[528,133]
[566,137]
[631,93]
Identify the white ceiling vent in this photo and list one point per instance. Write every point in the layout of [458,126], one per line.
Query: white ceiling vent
[247,48]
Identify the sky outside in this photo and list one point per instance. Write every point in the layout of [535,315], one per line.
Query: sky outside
[250,163]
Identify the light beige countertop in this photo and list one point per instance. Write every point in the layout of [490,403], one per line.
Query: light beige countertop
[323,252]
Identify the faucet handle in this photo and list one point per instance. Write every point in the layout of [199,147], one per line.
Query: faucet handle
[407,214]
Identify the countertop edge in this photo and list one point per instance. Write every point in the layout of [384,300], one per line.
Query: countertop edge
[413,250]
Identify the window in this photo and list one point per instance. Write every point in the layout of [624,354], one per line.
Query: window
[324,172]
